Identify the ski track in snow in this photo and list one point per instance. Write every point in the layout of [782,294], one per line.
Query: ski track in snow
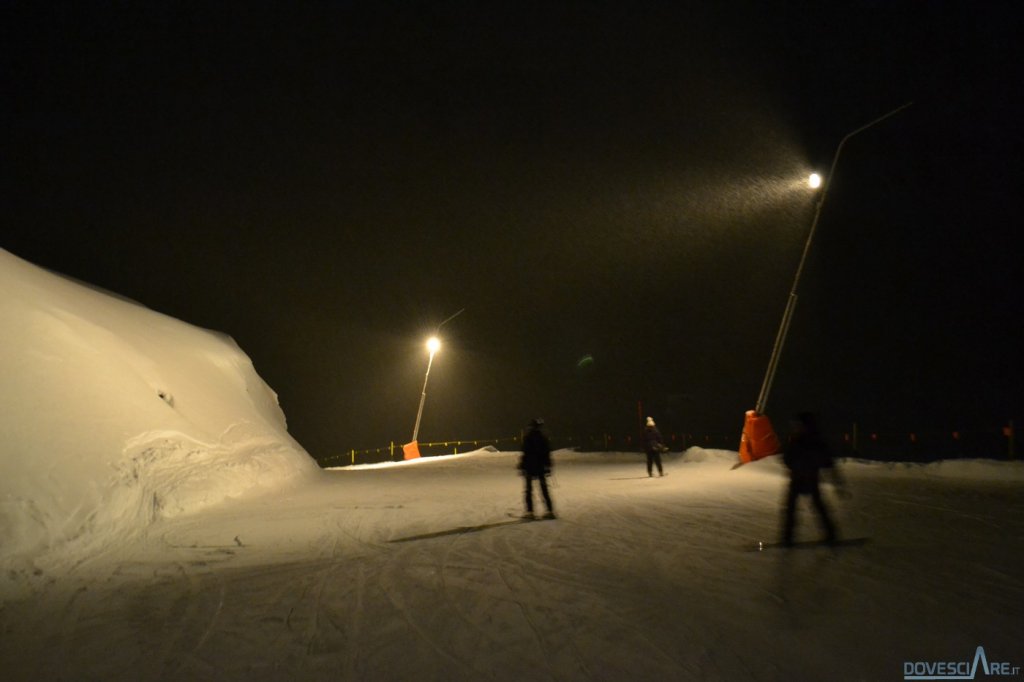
[637,579]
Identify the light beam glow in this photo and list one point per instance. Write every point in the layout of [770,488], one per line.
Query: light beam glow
[814,181]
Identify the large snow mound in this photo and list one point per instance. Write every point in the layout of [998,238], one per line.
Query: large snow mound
[113,415]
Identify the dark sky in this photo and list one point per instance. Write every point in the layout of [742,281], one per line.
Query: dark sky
[326,182]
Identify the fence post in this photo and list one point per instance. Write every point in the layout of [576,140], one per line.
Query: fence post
[353,455]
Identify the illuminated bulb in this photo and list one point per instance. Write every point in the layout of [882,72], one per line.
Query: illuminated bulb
[433,344]
[814,181]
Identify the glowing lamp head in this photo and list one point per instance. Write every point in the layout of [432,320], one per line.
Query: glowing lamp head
[814,181]
[433,344]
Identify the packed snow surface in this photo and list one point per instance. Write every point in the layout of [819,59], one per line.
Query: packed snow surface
[418,571]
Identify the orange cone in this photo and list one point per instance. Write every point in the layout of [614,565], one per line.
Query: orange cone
[411,450]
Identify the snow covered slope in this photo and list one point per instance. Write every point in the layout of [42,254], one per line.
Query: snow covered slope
[112,415]
[422,571]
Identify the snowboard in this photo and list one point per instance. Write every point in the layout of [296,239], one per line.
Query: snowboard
[760,546]
[538,517]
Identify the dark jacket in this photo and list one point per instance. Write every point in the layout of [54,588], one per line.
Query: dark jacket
[536,459]
[806,455]
[653,442]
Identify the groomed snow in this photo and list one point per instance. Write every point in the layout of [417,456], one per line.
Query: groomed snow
[189,538]
[417,571]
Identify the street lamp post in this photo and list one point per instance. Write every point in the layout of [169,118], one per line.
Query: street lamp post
[759,440]
[411,450]
[433,345]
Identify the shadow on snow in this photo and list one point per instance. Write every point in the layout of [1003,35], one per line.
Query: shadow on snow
[458,531]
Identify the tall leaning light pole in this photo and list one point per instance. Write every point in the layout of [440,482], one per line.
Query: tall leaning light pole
[411,450]
[814,181]
[433,345]
[759,440]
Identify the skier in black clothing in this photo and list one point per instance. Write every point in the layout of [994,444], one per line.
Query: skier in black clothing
[654,445]
[806,455]
[536,463]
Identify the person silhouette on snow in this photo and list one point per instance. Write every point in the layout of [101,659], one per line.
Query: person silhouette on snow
[806,455]
[654,445]
[536,463]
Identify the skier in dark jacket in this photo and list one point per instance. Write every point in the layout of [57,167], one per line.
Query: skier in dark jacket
[536,463]
[654,445]
[806,455]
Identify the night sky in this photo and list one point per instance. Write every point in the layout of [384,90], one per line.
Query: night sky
[611,190]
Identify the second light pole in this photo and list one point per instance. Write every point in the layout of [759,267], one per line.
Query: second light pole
[433,345]
[412,450]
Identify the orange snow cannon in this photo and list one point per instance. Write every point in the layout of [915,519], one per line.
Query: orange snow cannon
[759,439]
